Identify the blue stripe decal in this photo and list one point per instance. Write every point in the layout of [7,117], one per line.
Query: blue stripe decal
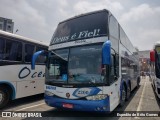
[11,85]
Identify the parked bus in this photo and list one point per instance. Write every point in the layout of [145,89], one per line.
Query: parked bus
[17,80]
[155,68]
[91,64]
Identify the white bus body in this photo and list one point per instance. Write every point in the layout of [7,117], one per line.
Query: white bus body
[17,80]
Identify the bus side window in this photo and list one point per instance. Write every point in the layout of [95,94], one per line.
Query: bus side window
[112,69]
[13,51]
[29,50]
[117,65]
[2,46]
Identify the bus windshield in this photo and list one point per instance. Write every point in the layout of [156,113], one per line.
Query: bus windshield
[76,65]
[85,64]
[88,26]
[57,66]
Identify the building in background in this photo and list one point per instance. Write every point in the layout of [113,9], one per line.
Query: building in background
[144,59]
[6,24]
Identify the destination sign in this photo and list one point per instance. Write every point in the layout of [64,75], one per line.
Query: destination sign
[80,35]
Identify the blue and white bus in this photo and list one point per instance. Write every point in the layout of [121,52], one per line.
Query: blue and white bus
[91,64]
[17,80]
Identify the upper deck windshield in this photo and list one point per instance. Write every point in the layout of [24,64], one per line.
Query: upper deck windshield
[83,27]
[79,65]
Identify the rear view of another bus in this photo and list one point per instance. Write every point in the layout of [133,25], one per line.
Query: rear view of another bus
[17,80]
[155,68]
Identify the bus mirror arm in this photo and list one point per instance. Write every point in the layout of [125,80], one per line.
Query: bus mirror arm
[35,56]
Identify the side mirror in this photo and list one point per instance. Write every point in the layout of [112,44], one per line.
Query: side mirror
[35,56]
[152,56]
[106,53]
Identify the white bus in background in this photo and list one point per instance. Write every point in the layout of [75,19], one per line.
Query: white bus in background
[155,68]
[91,64]
[17,80]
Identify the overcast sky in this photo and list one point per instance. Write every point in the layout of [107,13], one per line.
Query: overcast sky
[37,19]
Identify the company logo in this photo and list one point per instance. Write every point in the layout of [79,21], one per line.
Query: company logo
[25,72]
[6,114]
[83,92]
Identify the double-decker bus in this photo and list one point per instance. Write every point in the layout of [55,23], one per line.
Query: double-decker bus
[155,68]
[17,80]
[91,64]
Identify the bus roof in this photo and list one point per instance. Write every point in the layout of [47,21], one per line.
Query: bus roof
[22,38]
[157,43]
[104,10]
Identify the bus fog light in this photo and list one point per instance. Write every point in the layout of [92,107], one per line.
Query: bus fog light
[96,97]
[48,93]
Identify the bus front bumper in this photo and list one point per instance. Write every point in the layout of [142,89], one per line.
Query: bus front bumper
[78,105]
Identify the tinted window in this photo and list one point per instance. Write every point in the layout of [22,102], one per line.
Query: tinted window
[126,42]
[13,51]
[57,66]
[112,66]
[89,26]
[29,50]
[2,45]
[113,27]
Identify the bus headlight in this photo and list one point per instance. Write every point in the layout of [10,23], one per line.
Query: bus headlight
[97,97]
[48,93]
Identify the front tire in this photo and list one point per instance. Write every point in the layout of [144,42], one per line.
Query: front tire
[4,96]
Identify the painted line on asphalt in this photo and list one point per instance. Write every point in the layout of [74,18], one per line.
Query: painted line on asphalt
[30,107]
[141,98]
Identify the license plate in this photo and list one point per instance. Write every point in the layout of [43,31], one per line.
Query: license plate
[66,105]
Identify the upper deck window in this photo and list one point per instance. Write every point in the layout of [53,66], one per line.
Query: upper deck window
[87,26]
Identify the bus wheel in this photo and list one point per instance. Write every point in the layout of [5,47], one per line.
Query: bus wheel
[123,96]
[128,92]
[4,96]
